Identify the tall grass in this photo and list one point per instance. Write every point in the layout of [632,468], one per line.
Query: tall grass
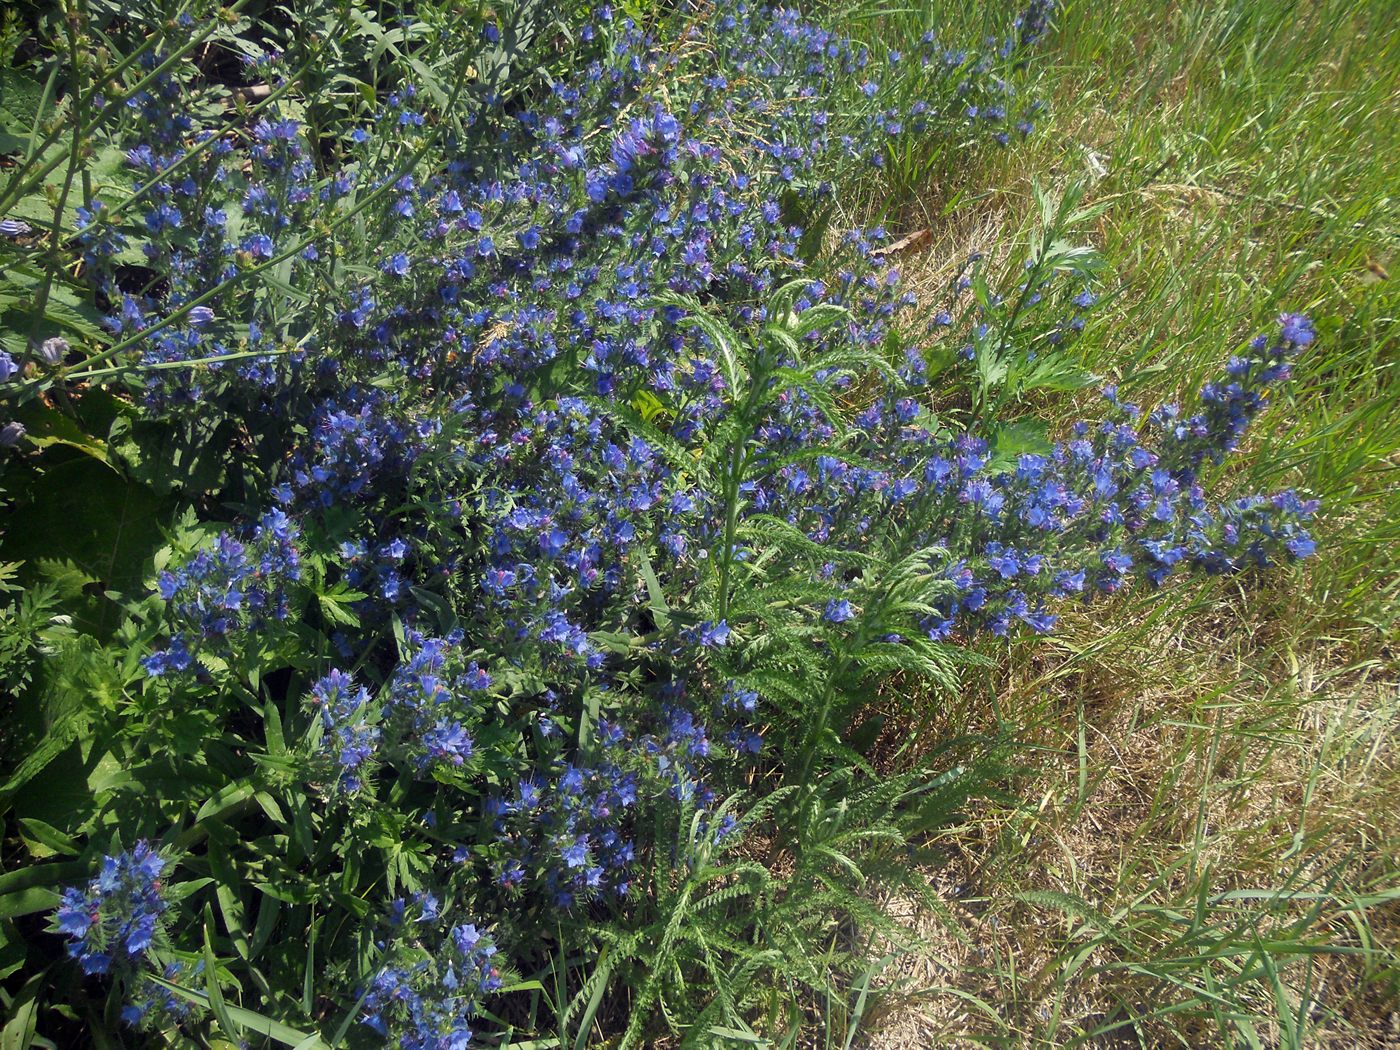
[1203,846]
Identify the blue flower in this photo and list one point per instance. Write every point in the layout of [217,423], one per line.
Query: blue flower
[714,634]
[349,739]
[837,611]
[425,1000]
[229,588]
[576,853]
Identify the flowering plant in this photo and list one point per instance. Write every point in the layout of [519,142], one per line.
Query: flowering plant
[531,474]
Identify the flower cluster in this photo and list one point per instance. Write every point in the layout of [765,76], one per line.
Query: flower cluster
[1120,498]
[348,740]
[234,587]
[517,366]
[155,1007]
[352,452]
[425,996]
[434,697]
[114,921]
[569,830]
[565,830]
[209,212]
[1230,404]
[583,496]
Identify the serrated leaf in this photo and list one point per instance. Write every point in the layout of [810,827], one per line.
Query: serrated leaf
[21,97]
[334,605]
[1014,439]
[58,739]
[72,507]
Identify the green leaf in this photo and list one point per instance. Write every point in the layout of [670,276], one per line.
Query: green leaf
[614,641]
[69,506]
[19,1031]
[58,739]
[816,318]
[13,949]
[181,890]
[272,730]
[226,891]
[67,308]
[814,233]
[648,405]
[335,605]
[661,612]
[49,837]
[1014,439]
[229,797]
[46,426]
[269,909]
[42,875]
[211,980]
[737,1036]
[27,902]
[249,1019]
[190,459]
[21,97]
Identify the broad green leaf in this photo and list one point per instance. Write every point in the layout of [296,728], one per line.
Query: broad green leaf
[70,506]
[39,834]
[21,97]
[46,426]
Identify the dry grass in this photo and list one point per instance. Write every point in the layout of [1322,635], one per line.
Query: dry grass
[1279,765]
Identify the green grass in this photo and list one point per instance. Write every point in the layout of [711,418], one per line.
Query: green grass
[1204,849]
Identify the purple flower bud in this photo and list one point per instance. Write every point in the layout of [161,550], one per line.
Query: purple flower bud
[53,351]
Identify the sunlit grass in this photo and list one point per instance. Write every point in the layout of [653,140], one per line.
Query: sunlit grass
[1202,850]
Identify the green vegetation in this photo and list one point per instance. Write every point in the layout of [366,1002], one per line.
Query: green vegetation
[666,524]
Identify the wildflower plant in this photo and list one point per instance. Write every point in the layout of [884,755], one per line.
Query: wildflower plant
[114,921]
[541,486]
[433,981]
